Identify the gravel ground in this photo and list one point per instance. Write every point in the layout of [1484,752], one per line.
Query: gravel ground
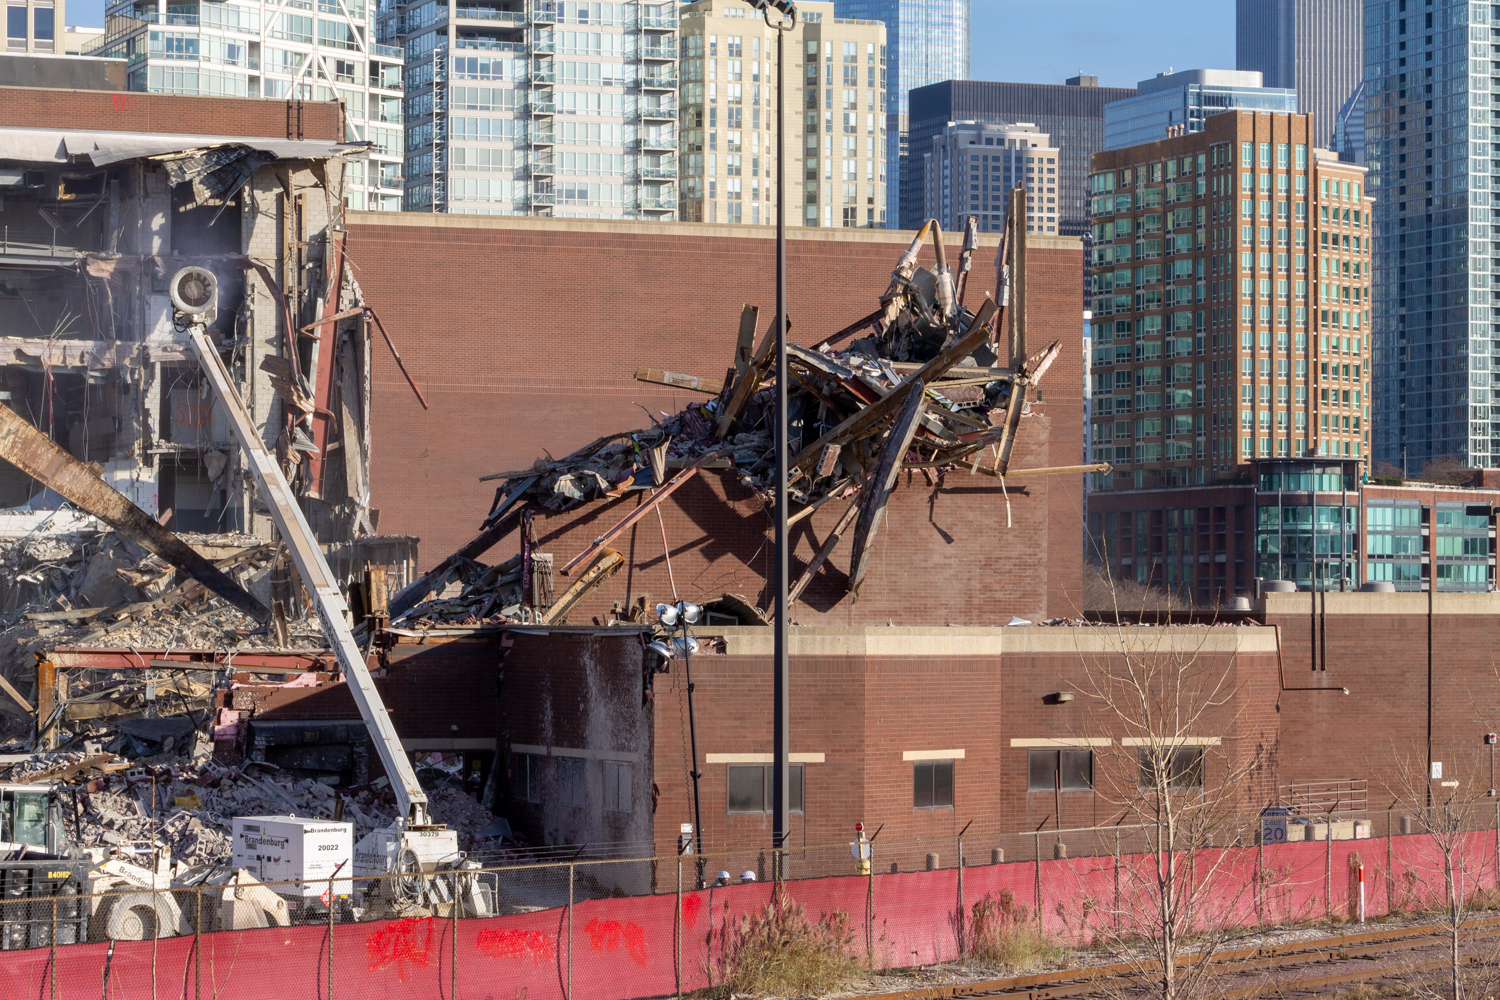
[961,974]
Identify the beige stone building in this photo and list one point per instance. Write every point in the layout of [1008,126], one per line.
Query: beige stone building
[972,166]
[835,127]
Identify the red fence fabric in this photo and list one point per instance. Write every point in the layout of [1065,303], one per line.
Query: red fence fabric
[619,948]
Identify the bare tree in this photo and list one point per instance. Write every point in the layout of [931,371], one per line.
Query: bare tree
[1184,793]
[1446,809]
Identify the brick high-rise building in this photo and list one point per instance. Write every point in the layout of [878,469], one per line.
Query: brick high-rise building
[1231,272]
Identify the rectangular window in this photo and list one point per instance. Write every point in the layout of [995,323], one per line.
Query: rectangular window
[616,786]
[526,777]
[43,24]
[1064,770]
[1181,768]
[932,784]
[571,781]
[751,788]
[15,22]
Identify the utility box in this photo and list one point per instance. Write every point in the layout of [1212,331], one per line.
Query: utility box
[296,856]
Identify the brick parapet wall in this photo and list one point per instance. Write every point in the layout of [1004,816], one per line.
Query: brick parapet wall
[82,110]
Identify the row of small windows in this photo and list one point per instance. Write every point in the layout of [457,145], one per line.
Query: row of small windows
[749,787]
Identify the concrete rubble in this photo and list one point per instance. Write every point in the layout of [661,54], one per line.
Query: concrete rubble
[183,807]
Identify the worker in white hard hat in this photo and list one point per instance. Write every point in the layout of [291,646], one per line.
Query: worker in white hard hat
[723,878]
[748,877]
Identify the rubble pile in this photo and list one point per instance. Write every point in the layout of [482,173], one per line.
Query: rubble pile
[186,807]
[94,585]
[925,387]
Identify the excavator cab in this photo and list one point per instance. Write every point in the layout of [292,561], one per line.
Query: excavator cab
[30,819]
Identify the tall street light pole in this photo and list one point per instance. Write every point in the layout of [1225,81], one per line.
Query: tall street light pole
[781,684]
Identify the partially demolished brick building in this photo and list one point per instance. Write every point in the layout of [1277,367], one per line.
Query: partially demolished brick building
[105,198]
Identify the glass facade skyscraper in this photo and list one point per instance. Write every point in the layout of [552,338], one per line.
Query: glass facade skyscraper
[927,42]
[562,108]
[1429,121]
[287,50]
[1181,101]
[1311,46]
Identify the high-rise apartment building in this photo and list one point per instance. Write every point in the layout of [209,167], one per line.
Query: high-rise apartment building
[1231,303]
[1180,102]
[1315,47]
[296,51]
[1428,142]
[972,167]
[34,25]
[1072,115]
[928,43]
[835,117]
[546,107]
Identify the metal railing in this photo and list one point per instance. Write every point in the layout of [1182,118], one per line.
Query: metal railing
[1316,799]
[489,45]
[487,14]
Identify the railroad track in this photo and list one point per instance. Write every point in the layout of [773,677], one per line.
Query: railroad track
[1286,972]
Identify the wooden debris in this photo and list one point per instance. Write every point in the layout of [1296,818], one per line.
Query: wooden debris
[605,566]
[878,490]
[824,552]
[920,388]
[662,377]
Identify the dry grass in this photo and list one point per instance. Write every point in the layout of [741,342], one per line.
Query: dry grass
[1002,933]
[1369,991]
[780,951]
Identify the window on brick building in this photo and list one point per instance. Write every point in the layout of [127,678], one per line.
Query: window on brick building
[750,788]
[526,777]
[932,784]
[1065,770]
[1183,766]
[616,786]
[571,781]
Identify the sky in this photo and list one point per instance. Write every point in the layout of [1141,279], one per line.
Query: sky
[1047,41]
[1120,41]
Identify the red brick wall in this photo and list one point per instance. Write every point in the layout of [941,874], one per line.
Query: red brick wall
[525,340]
[863,712]
[22,107]
[1376,646]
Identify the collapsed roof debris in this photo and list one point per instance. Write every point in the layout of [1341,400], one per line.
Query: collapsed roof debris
[931,385]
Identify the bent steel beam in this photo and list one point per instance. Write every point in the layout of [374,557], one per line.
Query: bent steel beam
[37,455]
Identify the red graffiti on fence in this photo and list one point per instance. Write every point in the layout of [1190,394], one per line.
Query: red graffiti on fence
[691,907]
[608,935]
[397,944]
[519,945]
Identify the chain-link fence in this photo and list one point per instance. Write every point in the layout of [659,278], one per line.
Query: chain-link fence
[613,928]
